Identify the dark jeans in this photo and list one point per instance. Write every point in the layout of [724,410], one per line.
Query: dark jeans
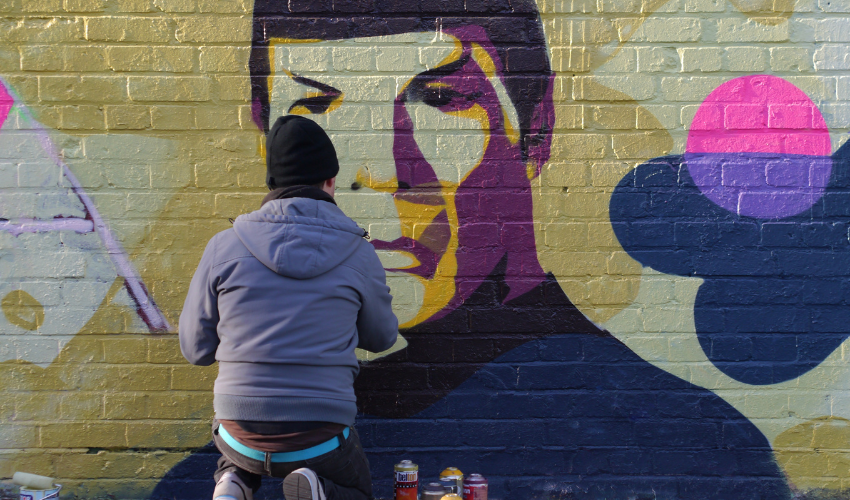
[344,472]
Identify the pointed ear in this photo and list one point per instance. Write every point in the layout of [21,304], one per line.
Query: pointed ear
[538,142]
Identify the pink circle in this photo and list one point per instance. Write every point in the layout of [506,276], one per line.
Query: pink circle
[758,146]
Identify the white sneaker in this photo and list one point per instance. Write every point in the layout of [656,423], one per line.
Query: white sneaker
[230,487]
[303,484]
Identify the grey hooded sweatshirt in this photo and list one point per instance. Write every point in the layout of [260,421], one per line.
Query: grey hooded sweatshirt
[281,300]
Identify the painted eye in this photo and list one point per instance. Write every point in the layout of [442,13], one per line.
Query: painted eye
[443,95]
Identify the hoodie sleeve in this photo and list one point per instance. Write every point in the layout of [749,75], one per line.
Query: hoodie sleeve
[199,319]
[377,325]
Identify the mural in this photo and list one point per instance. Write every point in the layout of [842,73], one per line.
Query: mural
[614,234]
[48,217]
[498,371]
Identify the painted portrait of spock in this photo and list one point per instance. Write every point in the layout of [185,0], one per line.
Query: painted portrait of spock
[441,121]
[442,116]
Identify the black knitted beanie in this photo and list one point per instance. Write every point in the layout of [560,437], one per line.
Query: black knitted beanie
[298,151]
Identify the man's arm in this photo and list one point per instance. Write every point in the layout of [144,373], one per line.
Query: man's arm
[199,319]
[377,326]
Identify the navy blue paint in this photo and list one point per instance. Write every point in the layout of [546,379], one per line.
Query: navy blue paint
[581,416]
[570,415]
[604,425]
[774,301]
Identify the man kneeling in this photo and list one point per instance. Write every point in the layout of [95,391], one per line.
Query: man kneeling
[281,301]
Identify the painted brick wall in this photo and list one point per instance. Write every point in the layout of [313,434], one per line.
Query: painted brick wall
[616,233]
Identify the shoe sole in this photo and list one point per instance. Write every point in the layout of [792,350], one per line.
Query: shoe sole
[297,487]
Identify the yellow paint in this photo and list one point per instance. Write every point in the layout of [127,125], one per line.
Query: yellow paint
[815,454]
[23,310]
[488,66]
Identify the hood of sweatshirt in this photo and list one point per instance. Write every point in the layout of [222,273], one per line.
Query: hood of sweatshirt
[299,238]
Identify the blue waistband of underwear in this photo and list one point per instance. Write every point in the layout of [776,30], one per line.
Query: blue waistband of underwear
[285,456]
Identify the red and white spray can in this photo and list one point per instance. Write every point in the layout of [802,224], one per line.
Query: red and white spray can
[406,480]
[475,487]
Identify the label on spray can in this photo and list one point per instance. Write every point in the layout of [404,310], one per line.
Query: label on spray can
[475,487]
[406,480]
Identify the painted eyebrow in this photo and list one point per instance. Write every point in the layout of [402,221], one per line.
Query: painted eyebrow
[327,89]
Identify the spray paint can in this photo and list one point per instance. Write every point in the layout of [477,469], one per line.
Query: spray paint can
[449,484]
[433,491]
[475,487]
[457,475]
[406,480]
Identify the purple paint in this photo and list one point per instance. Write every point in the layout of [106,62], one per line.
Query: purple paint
[763,185]
[75,224]
[492,205]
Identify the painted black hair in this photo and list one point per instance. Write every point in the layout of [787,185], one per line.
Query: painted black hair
[512,26]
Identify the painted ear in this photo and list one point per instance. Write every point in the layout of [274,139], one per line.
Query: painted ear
[538,142]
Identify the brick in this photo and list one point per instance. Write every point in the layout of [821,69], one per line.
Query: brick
[81,406]
[98,89]
[657,117]
[180,6]
[791,59]
[225,6]
[610,117]
[100,465]
[134,5]
[566,174]
[84,117]
[83,435]
[173,117]
[688,88]
[600,88]
[702,59]
[193,378]
[657,59]
[164,350]
[830,57]
[567,59]
[704,5]
[745,59]
[124,117]
[84,5]
[37,6]
[580,146]
[747,30]
[642,146]
[35,30]
[211,29]
[41,58]
[146,435]
[234,88]
[224,59]
[128,29]
[151,59]
[169,88]
[833,6]
[84,59]
[667,30]
[125,350]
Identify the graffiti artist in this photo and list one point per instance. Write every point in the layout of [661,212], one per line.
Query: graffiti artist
[259,304]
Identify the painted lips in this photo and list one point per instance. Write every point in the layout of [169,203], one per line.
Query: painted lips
[428,249]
